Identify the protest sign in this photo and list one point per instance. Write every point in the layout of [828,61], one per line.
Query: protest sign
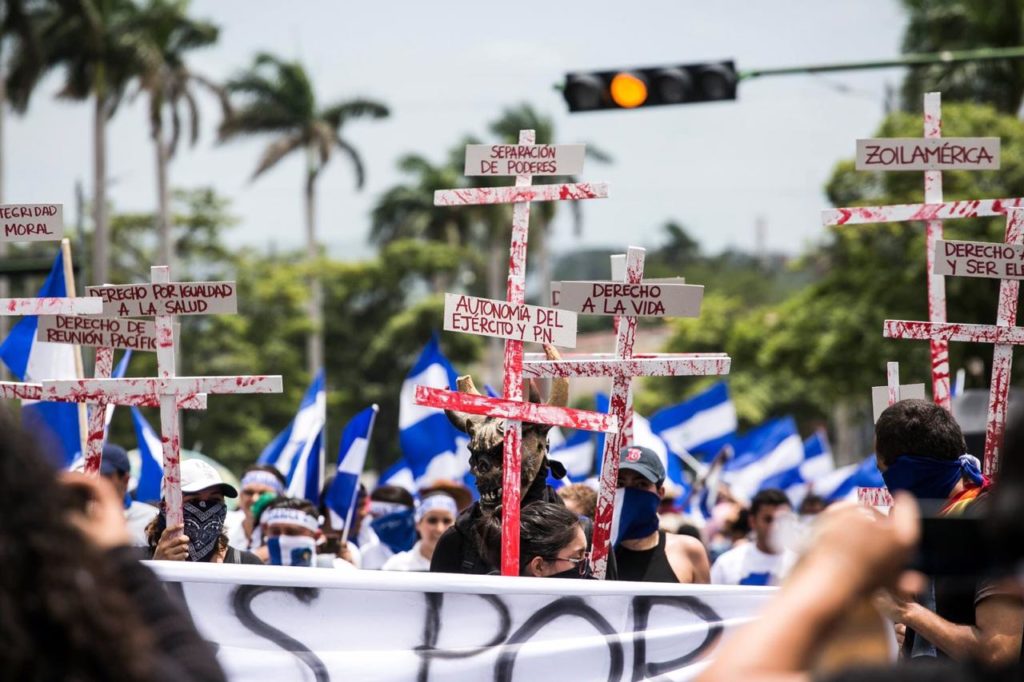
[524,159]
[172,298]
[98,332]
[487,317]
[928,154]
[641,299]
[979,259]
[267,622]
[31,222]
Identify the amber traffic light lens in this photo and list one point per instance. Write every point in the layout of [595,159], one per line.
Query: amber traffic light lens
[628,90]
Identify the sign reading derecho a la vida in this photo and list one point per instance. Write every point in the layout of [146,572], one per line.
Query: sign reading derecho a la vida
[633,300]
[31,222]
[99,332]
[524,159]
[517,321]
[979,259]
[925,154]
[173,298]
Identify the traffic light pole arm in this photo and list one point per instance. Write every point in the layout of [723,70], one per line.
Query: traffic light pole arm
[945,57]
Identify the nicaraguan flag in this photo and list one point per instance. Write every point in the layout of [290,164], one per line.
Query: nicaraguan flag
[427,438]
[817,462]
[765,451]
[842,483]
[151,473]
[297,452]
[119,372]
[399,474]
[355,441]
[702,425]
[55,425]
[576,454]
[643,434]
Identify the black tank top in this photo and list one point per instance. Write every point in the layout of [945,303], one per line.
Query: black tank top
[648,565]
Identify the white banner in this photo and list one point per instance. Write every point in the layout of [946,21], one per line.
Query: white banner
[283,623]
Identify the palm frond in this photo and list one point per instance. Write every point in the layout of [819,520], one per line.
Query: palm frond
[357,161]
[277,150]
[338,114]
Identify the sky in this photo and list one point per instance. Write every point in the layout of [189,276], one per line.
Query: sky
[448,68]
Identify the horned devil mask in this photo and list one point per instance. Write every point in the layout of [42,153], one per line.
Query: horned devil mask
[487,438]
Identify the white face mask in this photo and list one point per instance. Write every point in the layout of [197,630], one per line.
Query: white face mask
[292,550]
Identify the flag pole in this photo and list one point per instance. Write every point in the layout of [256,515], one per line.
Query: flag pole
[351,510]
[69,283]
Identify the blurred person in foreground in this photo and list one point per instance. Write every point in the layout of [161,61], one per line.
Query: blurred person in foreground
[240,525]
[645,553]
[435,514]
[921,450]
[552,542]
[116,468]
[201,537]
[75,604]
[759,562]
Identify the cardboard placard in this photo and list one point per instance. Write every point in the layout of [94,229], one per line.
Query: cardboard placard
[99,332]
[994,260]
[518,321]
[172,298]
[31,222]
[880,396]
[524,159]
[928,154]
[631,300]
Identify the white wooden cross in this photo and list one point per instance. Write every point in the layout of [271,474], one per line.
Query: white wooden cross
[626,299]
[931,154]
[163,300]
[41,222]
[982,259]
[523,160]
[893,392]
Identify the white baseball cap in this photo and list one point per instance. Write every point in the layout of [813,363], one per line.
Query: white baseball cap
[197,475]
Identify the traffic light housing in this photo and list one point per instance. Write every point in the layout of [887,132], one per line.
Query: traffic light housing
[650,86]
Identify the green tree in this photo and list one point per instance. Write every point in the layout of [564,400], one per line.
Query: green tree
[938,25]
[276,97]
[101,48]
[171,89]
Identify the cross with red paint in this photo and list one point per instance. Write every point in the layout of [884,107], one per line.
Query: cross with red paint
[931,154]
[523,160]
[163,300]
[626,299]
[981,259]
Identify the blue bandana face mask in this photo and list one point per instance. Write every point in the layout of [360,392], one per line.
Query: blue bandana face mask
[636,514]
[930,479]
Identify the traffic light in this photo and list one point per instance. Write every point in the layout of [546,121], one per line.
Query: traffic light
[650,86]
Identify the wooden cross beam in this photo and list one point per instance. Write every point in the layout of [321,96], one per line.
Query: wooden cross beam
[931,155]
[893,392]
[163,300]
[979,259]
[523,160]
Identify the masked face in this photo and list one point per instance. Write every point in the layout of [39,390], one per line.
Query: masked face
[204,523]
[636,514]
[292,550]
[486,459]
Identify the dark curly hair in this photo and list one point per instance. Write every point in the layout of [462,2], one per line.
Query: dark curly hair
[62,616]
[920,428]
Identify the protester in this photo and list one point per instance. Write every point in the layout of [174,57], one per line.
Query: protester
[334,549]
[116,468]
[201,537]
[580,498]
[259,479]
[760,562]
[552,543]
[921,450]
[75,604]
[434,515]
[291,529]
[390,526]
[644,552]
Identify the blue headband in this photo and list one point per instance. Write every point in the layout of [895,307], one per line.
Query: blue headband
[930,479]
[260,477]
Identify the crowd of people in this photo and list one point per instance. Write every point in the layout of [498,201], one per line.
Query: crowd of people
[73,541]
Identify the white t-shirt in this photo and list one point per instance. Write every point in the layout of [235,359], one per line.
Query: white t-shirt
[137,517]
[413,560]
[747,565]
[374,552]
[236,532]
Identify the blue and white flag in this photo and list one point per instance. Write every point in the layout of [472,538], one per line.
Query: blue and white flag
[151,473]
[796,481]
[429,441]
[763,452]
[355,441]
[297,452]
[644,435]
[576,454]
[398,474]
[701,426]
[842,483]
[54,425]
[119,372]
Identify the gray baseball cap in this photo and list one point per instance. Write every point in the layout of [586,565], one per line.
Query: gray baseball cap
[642,460]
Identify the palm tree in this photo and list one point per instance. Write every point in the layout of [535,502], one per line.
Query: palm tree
[171,88]
[277,97]
[962,25]
[101,48]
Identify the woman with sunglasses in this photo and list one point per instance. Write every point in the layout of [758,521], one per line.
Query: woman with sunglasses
[552,543]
